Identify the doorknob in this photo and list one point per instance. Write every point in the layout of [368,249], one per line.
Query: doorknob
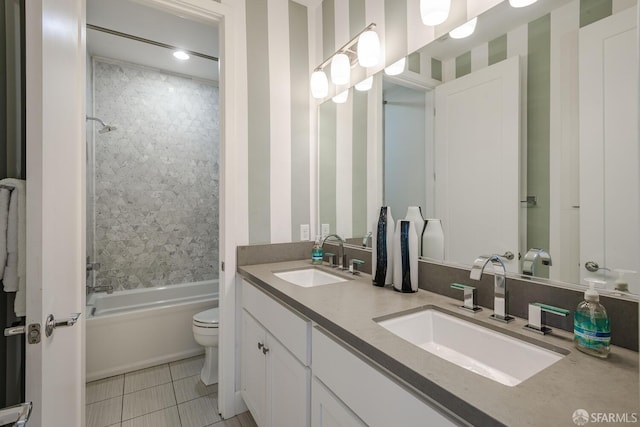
[52,323]
[18,414]
[593,266]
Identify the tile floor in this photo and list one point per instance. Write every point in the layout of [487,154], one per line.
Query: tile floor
[169,395]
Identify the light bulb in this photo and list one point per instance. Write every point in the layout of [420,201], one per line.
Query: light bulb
[521,3]
[340,69]
[365,85]
[396,68]
[368,49]
[183,56]
[319,84]
[342,97]
[434,12]
[464,30]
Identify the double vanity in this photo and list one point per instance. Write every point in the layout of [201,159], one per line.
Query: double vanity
[364,355]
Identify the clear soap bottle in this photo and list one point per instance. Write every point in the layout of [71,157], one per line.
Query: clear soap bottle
[316,252]
[592,333]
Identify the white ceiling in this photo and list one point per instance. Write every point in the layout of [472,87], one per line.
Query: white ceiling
[130,17]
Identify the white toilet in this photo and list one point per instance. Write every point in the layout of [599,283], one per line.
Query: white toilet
[205,331]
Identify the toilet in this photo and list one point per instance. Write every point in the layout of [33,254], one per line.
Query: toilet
[205,331]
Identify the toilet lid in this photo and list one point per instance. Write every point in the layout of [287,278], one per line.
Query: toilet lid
[210,316]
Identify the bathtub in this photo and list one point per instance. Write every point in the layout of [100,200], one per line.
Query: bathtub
[136,329]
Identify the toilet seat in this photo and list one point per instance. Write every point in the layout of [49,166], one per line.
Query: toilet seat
[207,319]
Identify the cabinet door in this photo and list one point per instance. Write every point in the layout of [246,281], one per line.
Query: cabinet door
[253,370]
[288,384]
[328,411]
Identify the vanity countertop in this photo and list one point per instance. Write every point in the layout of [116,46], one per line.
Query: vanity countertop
[577,381]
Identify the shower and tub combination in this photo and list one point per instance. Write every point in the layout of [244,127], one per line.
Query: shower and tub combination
[152,218]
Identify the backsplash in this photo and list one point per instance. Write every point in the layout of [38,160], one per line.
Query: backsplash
[156,177]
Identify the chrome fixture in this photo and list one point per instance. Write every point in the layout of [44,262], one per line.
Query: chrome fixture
[508,255]
[537,317]
[500,300]
[593,266]
[529,262]
[52,323]
[331,259]
[101,288]
[353,266]
[342,256]
[105,127]
[470,297]
[16,415]
[365,239]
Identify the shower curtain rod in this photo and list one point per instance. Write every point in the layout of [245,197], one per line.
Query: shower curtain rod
[152,42]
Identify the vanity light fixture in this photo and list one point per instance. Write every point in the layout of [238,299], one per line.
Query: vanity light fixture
[342,97]
[521,3]
[464,30]
[181,55]
[396,68]
[434,12]
[365,84]
[366,53]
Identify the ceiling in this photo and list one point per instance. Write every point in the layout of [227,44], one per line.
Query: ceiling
[131,17]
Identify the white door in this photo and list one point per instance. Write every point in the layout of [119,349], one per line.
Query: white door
[477,152]
[609,208]
[55,63]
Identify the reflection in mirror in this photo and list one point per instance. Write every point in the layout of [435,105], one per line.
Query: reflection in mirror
[579,222]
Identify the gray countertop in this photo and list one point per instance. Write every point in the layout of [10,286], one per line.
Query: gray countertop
[549,398]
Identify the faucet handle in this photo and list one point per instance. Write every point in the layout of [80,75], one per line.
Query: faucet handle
[332,259]
[537,313]
[353,266]
[470,297]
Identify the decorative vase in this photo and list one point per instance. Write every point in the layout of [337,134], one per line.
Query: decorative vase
[381,248]
[414,213]
[433,240]
[405,267]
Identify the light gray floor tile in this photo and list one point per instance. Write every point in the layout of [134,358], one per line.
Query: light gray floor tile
[165,418]
[116,425]
[148,400]
[186,368]
[191,388]
[200,412]
[104,389]
[231,422]
[246,420]
[104,413]
[145,378]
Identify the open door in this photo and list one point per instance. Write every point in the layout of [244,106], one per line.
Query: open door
[55,223]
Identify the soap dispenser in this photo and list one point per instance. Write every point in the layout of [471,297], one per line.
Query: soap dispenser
[592,333]
[316,252]
[621,284]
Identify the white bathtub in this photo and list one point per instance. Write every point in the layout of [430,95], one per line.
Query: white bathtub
[135,329]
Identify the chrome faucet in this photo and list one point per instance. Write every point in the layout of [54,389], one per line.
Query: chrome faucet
[342,256]
[100,288]
[500,301]
[529,262]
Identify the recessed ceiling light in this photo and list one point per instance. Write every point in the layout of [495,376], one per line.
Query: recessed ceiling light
[183,56]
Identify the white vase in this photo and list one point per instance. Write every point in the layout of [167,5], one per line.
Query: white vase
[382,248]
[433,240]
[405,249]
[414,213]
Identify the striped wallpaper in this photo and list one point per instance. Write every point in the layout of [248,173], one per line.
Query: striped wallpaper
[286,39]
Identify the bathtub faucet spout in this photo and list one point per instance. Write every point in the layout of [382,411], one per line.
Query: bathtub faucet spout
[102,288]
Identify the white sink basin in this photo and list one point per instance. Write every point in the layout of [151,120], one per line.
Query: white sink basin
[309,277]
[491,354]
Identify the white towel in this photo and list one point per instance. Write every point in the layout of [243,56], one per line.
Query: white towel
[15,270]
[4,218]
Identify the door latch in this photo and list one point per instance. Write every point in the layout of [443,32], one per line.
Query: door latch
[33,332]
[52,323]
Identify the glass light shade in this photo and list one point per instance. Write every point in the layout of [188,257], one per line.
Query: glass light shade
[521,3]
[340,69]
[342,97]
[396,68]
[365,85]
[368,49]
[183,56]
[319,84]
[464,30]
[434,12]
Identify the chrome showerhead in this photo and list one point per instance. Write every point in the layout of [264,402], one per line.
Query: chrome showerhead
[105,127]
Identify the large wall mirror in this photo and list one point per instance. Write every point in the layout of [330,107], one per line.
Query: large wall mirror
[524,135]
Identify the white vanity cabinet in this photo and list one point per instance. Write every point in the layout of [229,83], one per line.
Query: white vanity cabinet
[365,394]
[275,374]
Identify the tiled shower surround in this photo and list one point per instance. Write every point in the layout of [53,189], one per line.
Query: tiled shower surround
[156,177]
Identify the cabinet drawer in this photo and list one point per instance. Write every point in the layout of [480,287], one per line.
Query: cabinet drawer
[371,395]
[290,329]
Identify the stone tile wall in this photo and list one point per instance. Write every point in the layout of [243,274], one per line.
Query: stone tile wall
[156,177]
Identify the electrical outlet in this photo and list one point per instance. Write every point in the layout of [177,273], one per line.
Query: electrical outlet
[325,230]
[304,232]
